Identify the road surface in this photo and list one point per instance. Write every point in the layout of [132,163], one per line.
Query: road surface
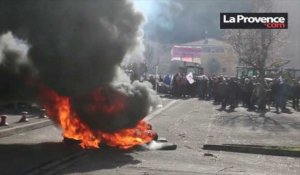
[189,123]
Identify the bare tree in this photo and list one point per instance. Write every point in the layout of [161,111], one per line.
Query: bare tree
[258,48]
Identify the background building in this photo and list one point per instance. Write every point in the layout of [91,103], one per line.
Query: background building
[217,57]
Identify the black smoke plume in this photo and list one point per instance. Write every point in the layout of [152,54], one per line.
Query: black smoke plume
[75,47]
[75,44]
[14,70]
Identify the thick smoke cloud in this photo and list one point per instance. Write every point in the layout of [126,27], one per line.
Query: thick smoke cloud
[181,21]
[76,48]
[121,106]
[75,44]
[14,69]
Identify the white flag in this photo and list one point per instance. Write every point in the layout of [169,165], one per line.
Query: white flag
[190,78]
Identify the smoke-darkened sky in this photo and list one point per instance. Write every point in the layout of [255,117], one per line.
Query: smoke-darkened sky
[183,21]
[180,21]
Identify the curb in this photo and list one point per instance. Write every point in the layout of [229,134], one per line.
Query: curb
[155,113]
[254,149]
[36,125]
[23,128]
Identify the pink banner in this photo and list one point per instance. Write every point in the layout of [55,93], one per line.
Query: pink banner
[186,53]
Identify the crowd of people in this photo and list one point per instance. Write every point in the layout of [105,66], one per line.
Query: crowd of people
[231,92]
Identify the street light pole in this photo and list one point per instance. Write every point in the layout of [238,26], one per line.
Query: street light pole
[156,77]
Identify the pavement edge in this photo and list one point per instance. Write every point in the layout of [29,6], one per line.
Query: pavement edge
[252,149]
[160,110]
[23,128]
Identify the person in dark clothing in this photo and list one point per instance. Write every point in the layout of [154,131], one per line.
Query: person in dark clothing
[152,81]
[274,93]
[179,85]
[247,88]
[232,93]
[183,86]
[283,94]
[216,92]
[296,95]
[175,84]
[222,92]
[209,88]
[259,96]
[200,87]
[204,87]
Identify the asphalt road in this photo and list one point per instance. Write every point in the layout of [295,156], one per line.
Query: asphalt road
[188,123]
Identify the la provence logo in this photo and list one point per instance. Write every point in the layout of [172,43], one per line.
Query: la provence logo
[253,20]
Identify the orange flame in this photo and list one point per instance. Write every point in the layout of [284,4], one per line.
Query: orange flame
[59,109]
[128,138]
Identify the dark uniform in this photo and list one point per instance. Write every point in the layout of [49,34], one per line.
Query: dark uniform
[233,91]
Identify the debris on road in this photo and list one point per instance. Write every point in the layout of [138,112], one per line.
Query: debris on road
[24,117]
[3,121]
[157,145]
[209,155]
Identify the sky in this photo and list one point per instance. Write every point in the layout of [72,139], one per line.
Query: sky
[183,21]
[179,21]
